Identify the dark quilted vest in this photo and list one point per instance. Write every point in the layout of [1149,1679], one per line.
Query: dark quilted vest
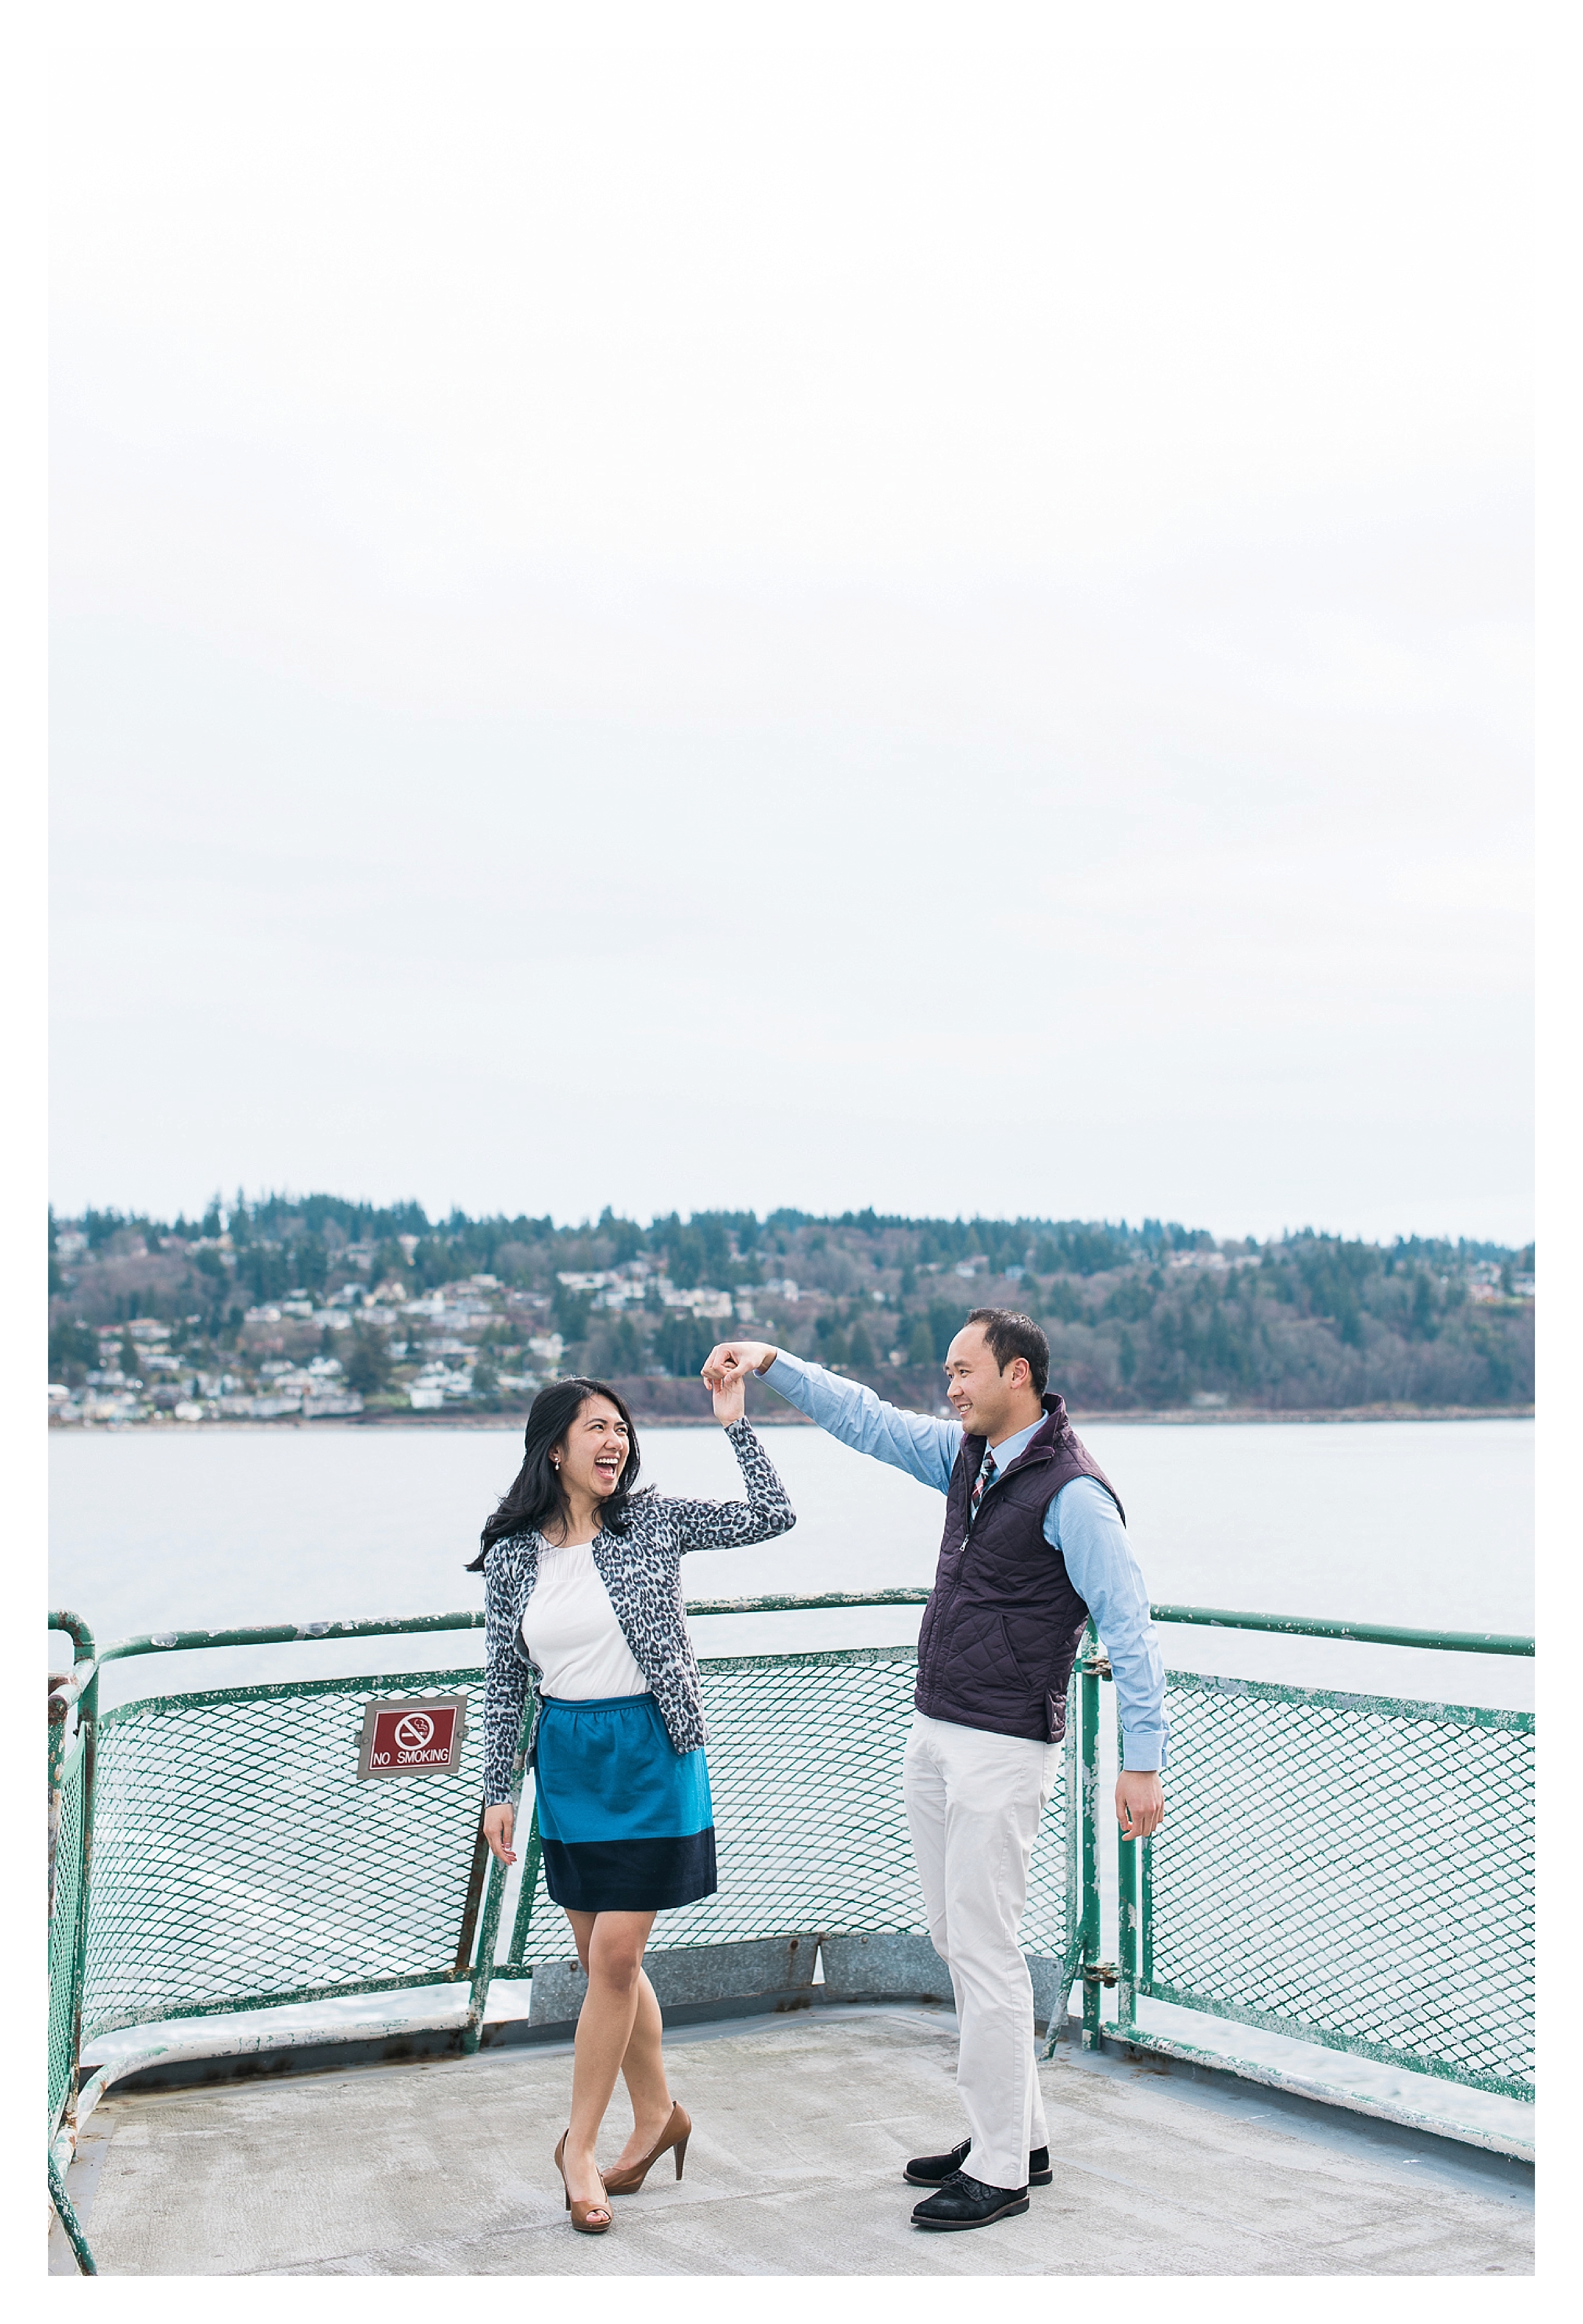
[1000,1631]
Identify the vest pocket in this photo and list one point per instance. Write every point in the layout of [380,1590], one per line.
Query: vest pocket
[1015,1661]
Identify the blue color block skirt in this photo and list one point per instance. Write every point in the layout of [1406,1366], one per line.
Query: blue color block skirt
[624,1818]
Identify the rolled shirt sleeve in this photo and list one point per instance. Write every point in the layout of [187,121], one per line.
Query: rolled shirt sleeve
[1084,1523]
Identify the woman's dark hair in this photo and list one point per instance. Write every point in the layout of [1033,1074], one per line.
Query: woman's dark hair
[535,1498]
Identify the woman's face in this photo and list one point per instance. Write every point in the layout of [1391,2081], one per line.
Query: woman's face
[596,1449]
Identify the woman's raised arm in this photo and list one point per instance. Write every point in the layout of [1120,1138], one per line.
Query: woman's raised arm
[736,1525]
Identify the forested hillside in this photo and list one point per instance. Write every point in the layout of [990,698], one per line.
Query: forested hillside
[401,1312]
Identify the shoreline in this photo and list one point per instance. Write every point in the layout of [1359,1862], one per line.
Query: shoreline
[1240,1415]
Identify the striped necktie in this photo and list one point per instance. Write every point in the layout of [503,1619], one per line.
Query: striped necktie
[987,1476]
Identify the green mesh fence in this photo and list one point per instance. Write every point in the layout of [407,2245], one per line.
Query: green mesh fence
[1346,1869]
[239,1862]
[1351,1870]
[65,1904]
[804,1772]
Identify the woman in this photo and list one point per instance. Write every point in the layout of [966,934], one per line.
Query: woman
[583,1592]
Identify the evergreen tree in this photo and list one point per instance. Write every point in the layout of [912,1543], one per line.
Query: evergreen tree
[946,1317]
[73,1351]
[571,1310]
[368,1366]
[681,1344]
[683,1251]
[1424,1307]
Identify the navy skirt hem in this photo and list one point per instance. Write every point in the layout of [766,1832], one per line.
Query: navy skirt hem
[630,1876]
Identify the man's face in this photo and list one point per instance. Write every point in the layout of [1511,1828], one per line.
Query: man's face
[985,1399]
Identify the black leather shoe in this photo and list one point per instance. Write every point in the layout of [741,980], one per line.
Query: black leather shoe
[934,2169]
[964,2202]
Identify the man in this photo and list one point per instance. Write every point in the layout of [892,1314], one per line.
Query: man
[1034,1542]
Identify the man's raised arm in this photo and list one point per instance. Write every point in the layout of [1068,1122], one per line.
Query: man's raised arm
[913,1442]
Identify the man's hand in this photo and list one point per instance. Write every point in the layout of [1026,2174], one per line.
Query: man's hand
[1140,1804]
[497,1830]
[735,1359]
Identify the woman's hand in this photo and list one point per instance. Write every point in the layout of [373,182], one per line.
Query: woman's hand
[497,1830]
[730,1397]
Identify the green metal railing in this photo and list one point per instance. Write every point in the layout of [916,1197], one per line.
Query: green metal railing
[71,1790]
[1347,1870]
[1364,1633]
[72,1699]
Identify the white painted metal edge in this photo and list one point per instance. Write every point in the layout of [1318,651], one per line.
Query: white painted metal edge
[251,2042]
[1326,2093]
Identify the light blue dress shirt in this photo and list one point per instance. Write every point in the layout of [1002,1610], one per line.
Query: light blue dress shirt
[1082,1522]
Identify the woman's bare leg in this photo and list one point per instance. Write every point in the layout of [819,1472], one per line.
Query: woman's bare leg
[643,2071]
[643,2066]
[610,1946]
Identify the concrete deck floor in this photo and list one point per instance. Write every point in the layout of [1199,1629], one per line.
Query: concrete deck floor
[443,2167]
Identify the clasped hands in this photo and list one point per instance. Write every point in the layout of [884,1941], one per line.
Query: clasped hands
[726,1373]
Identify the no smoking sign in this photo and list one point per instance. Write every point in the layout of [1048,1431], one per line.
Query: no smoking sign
[422,1735]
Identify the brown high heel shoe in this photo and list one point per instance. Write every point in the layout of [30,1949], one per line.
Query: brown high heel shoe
[578,2209]
[676,2133]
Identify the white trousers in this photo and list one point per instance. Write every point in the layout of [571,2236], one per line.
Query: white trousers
[973,1803]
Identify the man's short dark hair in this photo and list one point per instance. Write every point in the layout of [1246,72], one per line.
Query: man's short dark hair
[1009,1335]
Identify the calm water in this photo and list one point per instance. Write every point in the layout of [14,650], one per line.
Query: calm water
[1424,1523]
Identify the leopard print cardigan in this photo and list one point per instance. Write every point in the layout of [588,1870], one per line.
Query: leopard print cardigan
[641,1570]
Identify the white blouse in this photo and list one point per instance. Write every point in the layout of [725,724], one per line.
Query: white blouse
[570,1629]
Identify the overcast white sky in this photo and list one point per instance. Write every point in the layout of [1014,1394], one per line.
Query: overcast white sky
[947,629]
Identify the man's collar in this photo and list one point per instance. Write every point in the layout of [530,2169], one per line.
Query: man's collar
[1011,1448]
[1043,1435]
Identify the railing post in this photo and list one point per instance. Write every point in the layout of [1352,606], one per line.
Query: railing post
[66,2212]
[489,1931]
[483,1966]
[1126,1901]
[86,1704]
[88,1721]
[59,1711]
[526,1893]
[1128,1909]
[1089,1724]
[477,1870]
[1128,1853]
